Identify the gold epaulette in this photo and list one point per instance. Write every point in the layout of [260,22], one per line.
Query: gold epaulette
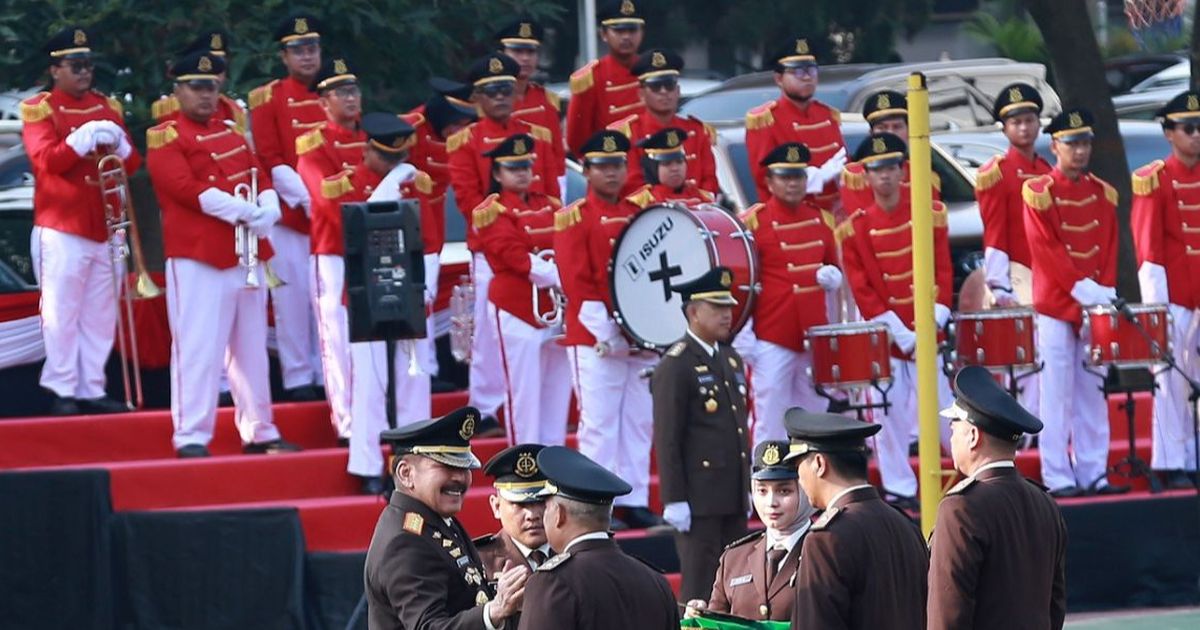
[414,523]
[239,115]
[458,139]
[676,349]
[337,185]
[540,133]
[750,216]
[1145,179]
[1036,192]
[161,135]
[854,176]
[625,125]
[835,115]
[760,117]
[989,174]
[826,518]
[583,79]
[829,219]
[1110,193]
[164,107]
[423,183]
[940,217]
[261,95]
[747,538]
[568,216]
[554,100]
[115,105]
[642,198]
[308,141]
[711,132]
[486,212]
[845,229]
[36,108]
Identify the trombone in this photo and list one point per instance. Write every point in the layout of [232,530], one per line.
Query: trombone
[462,319]
[554,316]
[124,242]
[245,243]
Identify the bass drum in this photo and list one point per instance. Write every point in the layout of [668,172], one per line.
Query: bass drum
[665,246]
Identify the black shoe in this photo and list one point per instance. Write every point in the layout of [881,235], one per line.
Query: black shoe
[1177,480]
[189,451]
[305,393]
[1069,492]
[903,502]
[914,448]
[372,486]
[64,407]
[642,518]
[1109,489]
[225,399]
[103,405]
[488,426]
[274,447]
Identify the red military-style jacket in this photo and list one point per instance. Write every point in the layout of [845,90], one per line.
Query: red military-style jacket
[510,229]
[428,154]
[1072,232]
[584,235]
[280,112]
[856,193]
[602,92]
[1166,225]
[167,108]
[688,195]
[998,190]
[471,170]
[324,152]
[541,107]
[701,165]
[357,185]
[780,121]
[792,243]
[185,158]
[66,192]
[877,254]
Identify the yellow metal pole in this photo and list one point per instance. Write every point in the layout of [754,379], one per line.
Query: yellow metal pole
[924,294]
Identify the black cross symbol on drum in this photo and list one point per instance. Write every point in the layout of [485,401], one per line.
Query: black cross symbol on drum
[665,273]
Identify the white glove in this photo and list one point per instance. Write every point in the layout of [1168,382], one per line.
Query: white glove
[123,147]
[941,314]
[1088,292]
[904,338]
[1004,298]
[1153,281]
[226,207]
[433,268]
[83,140]
[995,268]
[679,515]
[542,272]
[262,221]
[821,175]
[829,277]
[593,314]
[290,187]
[389,187]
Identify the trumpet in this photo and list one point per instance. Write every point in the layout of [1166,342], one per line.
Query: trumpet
[558,302]
[462,319]
[124,243]
[245,243]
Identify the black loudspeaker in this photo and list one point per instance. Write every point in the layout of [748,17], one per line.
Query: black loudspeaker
[385,271]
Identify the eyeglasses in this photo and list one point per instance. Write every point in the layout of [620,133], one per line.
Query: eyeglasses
[348,91]
[1187,128]
[662,86]
[79,66]
[802,71]
[497,90]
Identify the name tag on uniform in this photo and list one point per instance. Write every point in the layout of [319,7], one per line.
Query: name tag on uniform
[706,379]
[463,561]
[740,580]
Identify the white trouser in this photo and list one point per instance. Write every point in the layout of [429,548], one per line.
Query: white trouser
[485,375]
[1073,410]
[75,274]
[368,400]
[328,280]
[615,418]
[900,423]
[537,381]
[215,319]
[781,381]
[295,326]
[1174,433]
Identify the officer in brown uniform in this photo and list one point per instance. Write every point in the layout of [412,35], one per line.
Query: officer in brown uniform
[591,583]
[422,570]
[700,432]
[999,538]
[863,563]
[516,504]
[757,576]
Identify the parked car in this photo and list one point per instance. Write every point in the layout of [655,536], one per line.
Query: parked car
[689,86]
[1144,143]
[1126,71]
[1174,77]
[961,93]
[1143,105]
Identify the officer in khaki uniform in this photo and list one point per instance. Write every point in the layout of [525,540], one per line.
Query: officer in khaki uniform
[999,538]
[700,432]
[422,570]
[516,504]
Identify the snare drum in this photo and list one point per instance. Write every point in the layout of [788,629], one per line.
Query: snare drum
[665,246]
[998,339]
[1116,341]
[847,355]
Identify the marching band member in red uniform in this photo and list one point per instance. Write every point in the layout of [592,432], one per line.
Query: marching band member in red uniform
[216,317]
[877,253]
[657,72]
[886,112]
[280,112]
[665,171]
[216,43]
[1071,223]
[515,226]
[798,259]
[797,117]
[383,174]
[65,131]
[522,40]
[333,148]
[493,79]
[1166,233]
[605,91]
[615,416]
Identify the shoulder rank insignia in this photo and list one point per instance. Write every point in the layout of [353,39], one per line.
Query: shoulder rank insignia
[337,185]
[709,131]
[1145,179]
[115,105]
[568,216]
[642,198]
[481,598]
[854,176]
[309,141]
[539,132]
[747,538]
[553,563]
[486,212]
[750,216]
[36,108]
[961,486]
[458,139]
[423,182]
[845,229]
[583,79]
[261,95]
[760,117]
[625,125]
[989,174]
[826,518]
[553,99]
[1110,193]
[161,135]
[164,107]
[1036,192]
[413,523]
[676,349]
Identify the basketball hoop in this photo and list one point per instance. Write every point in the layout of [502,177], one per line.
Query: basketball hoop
[1152,20]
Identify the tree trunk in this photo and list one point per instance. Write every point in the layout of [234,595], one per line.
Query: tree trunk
[1079,70]
[1194,50]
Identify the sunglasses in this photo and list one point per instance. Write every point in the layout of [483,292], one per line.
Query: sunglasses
[347,91]
[662,86]
[802,71]
[79,66]
[1187,128]
[497,90]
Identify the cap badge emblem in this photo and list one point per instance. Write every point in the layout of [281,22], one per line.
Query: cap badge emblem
[658,60]
[793,154]
[1014,95]
[80,37]
[884,101]
[1193,102]
[726,279]
[519,146]
[526,465]
[215,42]
[610,144]
[205,65]
[495,66]
[672,139]
[301,26]
[770,455]
[339,66]
[468,427]
[525,30]
[802,46]
[627,8]
[878,145]
[1074,120]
